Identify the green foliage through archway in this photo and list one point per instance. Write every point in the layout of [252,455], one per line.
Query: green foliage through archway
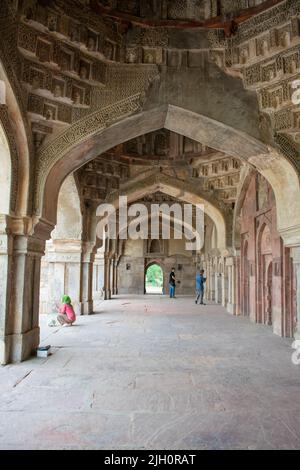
[154,279]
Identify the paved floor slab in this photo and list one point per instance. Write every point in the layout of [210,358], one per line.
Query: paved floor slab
[148,372]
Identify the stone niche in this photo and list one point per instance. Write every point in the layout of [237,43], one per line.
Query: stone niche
[37,78]
[129,6]
[84,69]
[174,58]
[66,60]
[152,56]
[187,9]
[50,112]
[58,87]
[52,22]
[196,59]
[132,55]
[44,50]
[109,50]
[151,8]
[77,94]
[74,31]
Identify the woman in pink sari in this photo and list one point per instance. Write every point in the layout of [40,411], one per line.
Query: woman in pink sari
[66,315]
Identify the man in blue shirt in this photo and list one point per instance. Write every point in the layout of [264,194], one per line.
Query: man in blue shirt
[200,281]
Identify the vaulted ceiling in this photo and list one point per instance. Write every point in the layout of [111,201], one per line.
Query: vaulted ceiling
[166,152]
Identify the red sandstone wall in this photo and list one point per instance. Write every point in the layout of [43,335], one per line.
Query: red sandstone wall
[270,292]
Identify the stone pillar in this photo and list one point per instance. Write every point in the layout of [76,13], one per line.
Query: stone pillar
[112,276]
[6,250]
[295,253]
[212,281]
[87,278]
[232,266]
[98,277]
[24,304]
[20,261]
[224,282]
[107,290]
[115,283]
[109,277]
[218,287]
[230,286]
[238,284]
[65,274]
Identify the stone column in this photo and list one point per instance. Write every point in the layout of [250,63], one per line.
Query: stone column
[231,304]
[20,260]
[6,251]
[115,284]
[237,281]
[218,287]
[107,290]
[24,303]
[87,278]
[98,277]
[112,276]
[224,281]
[212,281]
[295,253]
[230,286]
[232,263]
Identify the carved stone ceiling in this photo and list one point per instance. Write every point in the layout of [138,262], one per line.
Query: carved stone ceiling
[166,152]
[185,13]
[73,62]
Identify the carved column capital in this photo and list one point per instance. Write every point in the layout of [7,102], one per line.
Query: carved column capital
[295,254]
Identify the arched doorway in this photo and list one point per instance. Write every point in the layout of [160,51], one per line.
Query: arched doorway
[62,267]
[154,279]
[266,273]
[279,173]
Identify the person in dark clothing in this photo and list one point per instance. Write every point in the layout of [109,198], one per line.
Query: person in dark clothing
[172,283]
[200,281]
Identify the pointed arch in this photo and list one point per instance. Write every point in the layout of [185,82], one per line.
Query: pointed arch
[273,166]
[174,188]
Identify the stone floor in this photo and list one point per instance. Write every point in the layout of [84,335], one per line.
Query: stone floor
[153,373]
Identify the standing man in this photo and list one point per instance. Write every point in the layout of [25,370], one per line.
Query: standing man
[200,281]
[172,283]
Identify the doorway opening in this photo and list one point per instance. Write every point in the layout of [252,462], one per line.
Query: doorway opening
[154,279]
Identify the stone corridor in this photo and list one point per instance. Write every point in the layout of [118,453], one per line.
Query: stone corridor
[147,372]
